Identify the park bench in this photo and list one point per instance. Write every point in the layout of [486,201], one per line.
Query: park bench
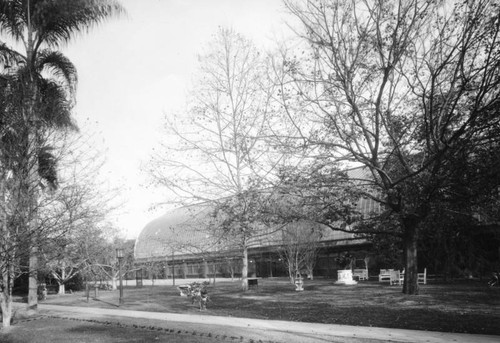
[395,277]
[361,274]
[385,275]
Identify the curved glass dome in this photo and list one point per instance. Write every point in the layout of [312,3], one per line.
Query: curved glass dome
[188,231]
[180,231]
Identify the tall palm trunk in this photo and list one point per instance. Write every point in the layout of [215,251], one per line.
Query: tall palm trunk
[32,199]
[33,248]
[7,252]
[31,119]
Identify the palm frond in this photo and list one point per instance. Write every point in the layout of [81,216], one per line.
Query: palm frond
[54,98]
[12,18]
[53,106]
[58,21]
[11,100]
[47,166]
[58,65]
[9,57]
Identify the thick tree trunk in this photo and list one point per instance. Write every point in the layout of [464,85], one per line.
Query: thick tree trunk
[33,278]
[7,271]
[62,289]
[6,294]
[244,269]
[60,281]
[6,304]
[410,285]
[32,212]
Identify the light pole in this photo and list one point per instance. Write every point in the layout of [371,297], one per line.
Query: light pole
[173,268]
[119,256]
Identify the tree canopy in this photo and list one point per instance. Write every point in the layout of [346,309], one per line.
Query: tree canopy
[38,95]
[402,88]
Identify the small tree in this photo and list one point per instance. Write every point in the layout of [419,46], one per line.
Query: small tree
[74,214]
[153,268]
[299,247]
[102,262]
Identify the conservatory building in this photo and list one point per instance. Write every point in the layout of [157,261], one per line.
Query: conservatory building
[180,245]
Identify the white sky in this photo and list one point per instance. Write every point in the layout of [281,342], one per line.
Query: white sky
[134,70]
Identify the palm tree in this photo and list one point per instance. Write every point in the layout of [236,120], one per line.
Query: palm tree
[44,82]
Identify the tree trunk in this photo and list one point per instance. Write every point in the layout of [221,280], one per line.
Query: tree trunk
[6,304]
[205,269]
[291,275]
[6,294]
[60,281]
[6,268]
[410,256]
[32,214]
[62,288]
[215,271]
[310,273]
[244,269]
[33,278]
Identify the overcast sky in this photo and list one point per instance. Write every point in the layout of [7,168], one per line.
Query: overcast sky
[134,70]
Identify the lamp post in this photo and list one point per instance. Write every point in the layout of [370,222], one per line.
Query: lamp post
[173,268]
[119,256]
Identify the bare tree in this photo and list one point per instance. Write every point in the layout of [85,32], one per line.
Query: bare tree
[218,155]
[400,88]
[300,244]
[16,208]
[102,263]
[71,216]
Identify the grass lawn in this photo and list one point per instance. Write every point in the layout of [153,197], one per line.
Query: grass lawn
[467,307]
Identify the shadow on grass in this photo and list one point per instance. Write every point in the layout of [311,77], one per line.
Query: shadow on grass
[94,329]
[63,330]
[464,307]
[106,302]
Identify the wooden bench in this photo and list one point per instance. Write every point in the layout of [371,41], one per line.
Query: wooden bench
[396,277]
[361,274]
[385,275]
